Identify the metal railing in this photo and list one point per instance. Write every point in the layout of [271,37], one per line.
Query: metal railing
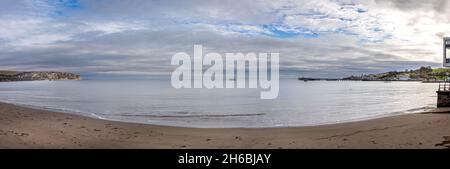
[444,86]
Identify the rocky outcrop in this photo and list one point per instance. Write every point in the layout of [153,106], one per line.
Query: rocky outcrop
[31,76]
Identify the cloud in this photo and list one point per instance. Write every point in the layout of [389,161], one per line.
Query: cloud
[324,37]
[436,5]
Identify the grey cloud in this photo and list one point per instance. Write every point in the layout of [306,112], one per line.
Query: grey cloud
[215,10]
[117,52]
[150,49]
[437,5]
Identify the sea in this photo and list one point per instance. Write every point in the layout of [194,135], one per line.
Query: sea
[155,101]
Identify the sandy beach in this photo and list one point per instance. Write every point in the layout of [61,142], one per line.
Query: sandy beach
[22,127]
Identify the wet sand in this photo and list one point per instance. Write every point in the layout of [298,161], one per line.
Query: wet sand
[22,127]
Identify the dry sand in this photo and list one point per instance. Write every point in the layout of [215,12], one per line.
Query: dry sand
[22,127]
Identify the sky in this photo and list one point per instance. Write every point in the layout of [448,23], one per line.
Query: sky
[323,38]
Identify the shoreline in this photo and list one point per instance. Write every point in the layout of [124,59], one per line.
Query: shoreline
[97,117]
[25,127]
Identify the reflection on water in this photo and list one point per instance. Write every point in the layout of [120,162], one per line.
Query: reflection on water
[156,102]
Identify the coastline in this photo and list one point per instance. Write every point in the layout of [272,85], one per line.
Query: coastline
[24,127]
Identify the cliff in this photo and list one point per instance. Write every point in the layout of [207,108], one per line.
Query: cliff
[30,76]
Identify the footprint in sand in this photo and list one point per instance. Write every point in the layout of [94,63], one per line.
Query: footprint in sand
[445,143]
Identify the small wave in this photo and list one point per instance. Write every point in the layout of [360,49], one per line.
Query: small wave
[409,111]
[420,109]
[187,116]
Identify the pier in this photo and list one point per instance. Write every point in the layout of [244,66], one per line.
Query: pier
[443,94]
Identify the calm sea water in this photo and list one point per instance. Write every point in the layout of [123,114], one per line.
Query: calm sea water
[156,102]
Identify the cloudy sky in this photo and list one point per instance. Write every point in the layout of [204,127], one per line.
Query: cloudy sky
[323,38]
